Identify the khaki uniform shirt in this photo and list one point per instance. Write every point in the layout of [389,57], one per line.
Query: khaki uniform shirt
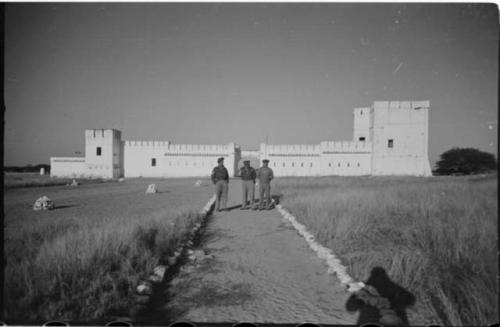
[265,175]
[248,174]
[219,173]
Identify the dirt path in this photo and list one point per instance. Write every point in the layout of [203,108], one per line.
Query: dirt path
[261,271]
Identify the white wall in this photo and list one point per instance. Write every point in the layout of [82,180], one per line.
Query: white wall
[327,158]
[67,167]
[107,164]
[346,164]
[406,123]
[361,123]
[175,160]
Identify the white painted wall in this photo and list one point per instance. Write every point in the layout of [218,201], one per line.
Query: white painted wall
[362,123]
[107,164]
[327,158]
[72,167]
[175,160]
[404,122]
[346,164]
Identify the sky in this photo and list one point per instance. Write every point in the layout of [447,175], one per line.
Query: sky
[214,73]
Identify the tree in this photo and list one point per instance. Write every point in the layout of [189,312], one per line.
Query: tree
[465,161]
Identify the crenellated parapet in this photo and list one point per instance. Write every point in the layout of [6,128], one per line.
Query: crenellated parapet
[180,149]
[291,149]
[346,147]
[147,144]
[401,104]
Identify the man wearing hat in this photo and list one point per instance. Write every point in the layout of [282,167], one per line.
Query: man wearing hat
[220,178]
[264,175]
[247,184]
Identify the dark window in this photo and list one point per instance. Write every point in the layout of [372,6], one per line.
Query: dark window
[274,164]
[301,164]
[338,165]
[362,138]
[358,164]
[329,164]
[348,165]
[293,165]
[311,164]
[153,162]
[283,164]
[361,112]
[98,151]
[390,143]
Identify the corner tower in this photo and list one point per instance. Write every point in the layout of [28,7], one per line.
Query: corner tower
[362,120]
[399,130]
[103,153]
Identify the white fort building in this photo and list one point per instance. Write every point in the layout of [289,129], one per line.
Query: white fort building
[390,138]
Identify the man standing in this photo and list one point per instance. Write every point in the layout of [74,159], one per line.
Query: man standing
[265,175]
[220,178]
[247,184]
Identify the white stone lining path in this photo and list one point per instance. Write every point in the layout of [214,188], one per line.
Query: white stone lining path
[260,270]
[145,287]
[334,264]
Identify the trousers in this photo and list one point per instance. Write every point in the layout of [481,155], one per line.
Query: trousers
[221,190]
[248,190]
[264,190]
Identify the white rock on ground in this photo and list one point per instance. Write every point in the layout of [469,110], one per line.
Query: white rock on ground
[151,189]
[43,203]
[144,288]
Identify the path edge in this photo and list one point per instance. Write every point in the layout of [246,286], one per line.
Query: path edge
[334,264]
[145,288]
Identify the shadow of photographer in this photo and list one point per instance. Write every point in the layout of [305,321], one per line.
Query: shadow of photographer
[381,301]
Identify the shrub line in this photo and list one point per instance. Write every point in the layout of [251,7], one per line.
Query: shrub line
[146,288]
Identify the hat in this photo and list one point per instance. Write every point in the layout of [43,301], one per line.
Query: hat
[244,161]
[265,160]
[220,159]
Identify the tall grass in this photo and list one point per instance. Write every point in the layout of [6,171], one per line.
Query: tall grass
[435,237]
[19,180]
[86,271]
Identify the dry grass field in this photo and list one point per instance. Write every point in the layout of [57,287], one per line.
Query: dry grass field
[17,180]
[436,237]
[81,261]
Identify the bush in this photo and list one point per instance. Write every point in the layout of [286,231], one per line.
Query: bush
[465,161]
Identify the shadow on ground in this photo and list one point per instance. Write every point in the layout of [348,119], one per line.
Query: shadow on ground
[399,299]
[189,289]
[65,206]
